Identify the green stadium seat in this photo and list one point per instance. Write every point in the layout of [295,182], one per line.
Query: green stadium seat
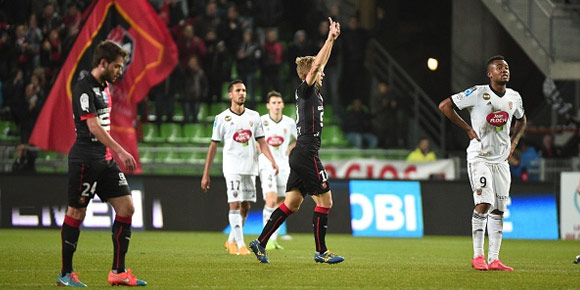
[198,133]
[332,136]
[328,115]
[262,109]
[203,112]
[145,156]
[178,112]
[172,133]
[9,132]
[151,133]
[290,110]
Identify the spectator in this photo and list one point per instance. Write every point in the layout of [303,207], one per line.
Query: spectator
[248,57]
[332,70]
[14,96]
[358,126]
[6,56]
[218,65]
[354,41]
[300,46]
[49,19]
[208,21]
[272,62]
[422,153]
[389,121]
[25,54]
[72,16]
[51,53]
[34,38]
[24,161]
[190,45]
[548,149]
[526,165]
[231,30]
[195,89]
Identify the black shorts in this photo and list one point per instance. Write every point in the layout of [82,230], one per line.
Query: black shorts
[89,177]
[307,173]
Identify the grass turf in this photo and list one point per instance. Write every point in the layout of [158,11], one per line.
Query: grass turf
[183,260]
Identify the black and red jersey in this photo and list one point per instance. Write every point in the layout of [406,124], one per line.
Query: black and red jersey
[90,99]
[309,115]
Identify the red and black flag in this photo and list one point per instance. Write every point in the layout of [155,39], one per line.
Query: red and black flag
[135,26]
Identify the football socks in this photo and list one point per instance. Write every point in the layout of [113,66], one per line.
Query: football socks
[478,224]
[69,235]
[495,234]
[276,219]
[319,224]
[121,237]
[235,219]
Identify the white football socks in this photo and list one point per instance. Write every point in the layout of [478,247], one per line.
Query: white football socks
[236,233]
[495,234]
[478,223]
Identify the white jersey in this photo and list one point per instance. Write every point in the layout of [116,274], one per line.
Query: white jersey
[239,134]
[278,136]
[491,118]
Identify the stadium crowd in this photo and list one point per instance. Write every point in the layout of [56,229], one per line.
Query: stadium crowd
[216,40]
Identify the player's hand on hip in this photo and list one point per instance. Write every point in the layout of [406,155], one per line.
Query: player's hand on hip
[205,181]
[472,135]
[127,160]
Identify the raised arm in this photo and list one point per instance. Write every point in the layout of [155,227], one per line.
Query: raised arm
[324,54]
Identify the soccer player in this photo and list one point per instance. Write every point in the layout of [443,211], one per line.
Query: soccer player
[280,132]
[307,174]
[239,128]
[492,108]
[92,170]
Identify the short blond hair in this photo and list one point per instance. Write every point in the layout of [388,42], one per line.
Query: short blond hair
[303,66]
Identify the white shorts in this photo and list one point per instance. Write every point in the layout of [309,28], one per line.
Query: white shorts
[494,181]
[241,187]
[274,183]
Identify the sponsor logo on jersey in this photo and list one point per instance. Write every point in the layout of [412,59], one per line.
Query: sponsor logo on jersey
[228,118]
[497,119]
[275,141]
[85,102]
[242,136]
[97,91]
[486,96]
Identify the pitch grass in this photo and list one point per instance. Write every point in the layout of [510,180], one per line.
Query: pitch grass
[181,260]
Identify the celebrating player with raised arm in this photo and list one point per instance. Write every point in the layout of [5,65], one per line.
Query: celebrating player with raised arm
[92,170]
[239,128]
[492,108]
[307,174]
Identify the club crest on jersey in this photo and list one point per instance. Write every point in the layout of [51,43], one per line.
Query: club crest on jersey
[85,102]
[486,96]
[266,123]
[511,105]
[97,91]
[497,119]
[251,124]
[228,118]
[242,136]
[275,141]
